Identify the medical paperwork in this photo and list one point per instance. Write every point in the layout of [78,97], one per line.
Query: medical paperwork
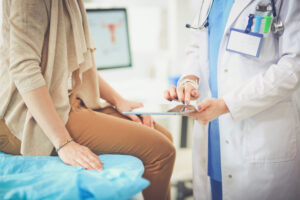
[48,178]
[163,109]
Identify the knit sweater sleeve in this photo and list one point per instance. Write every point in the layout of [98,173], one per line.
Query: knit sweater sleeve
[28,22]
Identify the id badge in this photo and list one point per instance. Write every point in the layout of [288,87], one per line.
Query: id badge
[245,43]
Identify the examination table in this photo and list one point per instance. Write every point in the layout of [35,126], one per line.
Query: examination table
[25,177]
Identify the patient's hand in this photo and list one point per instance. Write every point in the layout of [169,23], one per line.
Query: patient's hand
[125,105]
[75,154]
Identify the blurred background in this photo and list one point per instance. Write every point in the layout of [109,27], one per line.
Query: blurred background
[152,42]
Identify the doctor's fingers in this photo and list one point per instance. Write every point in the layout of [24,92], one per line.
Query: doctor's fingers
[195,94]
[189,93]
[180,93]
[204,104]
[173,93]
[167,95]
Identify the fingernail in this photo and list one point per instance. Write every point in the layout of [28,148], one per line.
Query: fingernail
[199,107]
[186,102]
[170,100]
[183,102]
[176,98]
[183,109]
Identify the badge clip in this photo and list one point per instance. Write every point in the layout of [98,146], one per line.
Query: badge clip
[250,23]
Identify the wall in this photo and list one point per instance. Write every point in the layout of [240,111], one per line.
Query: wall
[0,22]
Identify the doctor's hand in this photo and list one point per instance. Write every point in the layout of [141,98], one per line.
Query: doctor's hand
[208,110]
[126,105]
[184,93]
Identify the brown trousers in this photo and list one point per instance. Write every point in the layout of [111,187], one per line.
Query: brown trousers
[106,131]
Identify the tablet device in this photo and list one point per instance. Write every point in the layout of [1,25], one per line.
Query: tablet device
[162,110]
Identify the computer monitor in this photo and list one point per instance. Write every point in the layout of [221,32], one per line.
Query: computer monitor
[109,29]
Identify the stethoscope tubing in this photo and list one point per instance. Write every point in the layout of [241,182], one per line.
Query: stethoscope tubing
[205,22]
[277,20]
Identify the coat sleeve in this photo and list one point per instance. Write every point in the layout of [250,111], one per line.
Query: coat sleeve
[192,65]
[196,61]
[28,21]
[281,79]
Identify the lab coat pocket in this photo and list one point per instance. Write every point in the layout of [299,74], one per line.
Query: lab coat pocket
[271,135]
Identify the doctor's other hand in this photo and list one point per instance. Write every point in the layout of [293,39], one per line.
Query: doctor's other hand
[75,154]
[183,93]
[126,105]
[208,110]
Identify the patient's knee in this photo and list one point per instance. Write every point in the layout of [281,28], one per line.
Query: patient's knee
[169,151]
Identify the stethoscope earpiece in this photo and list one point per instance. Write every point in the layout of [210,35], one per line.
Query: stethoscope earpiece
[188,26]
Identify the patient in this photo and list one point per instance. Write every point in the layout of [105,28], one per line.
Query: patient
[50,92]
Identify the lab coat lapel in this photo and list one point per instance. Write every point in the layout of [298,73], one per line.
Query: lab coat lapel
[237,9]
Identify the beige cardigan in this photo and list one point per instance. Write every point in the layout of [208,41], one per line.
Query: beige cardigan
[43,45]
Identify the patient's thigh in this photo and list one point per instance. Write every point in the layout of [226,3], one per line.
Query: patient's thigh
[8,142]
[113,112]
[104,133]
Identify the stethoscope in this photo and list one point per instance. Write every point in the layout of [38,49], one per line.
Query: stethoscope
[202,22]
[277,26]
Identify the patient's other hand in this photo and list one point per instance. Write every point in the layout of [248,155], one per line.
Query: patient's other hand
[125,105]
[75,154]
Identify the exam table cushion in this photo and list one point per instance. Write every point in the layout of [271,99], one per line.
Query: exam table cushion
[48,178]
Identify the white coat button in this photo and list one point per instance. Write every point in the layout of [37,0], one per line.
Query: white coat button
[229,176]
[225,70]
[227,142]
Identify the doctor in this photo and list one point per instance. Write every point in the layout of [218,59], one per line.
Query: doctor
[243,67]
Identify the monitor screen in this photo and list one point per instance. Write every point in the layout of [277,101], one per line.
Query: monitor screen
[109,29]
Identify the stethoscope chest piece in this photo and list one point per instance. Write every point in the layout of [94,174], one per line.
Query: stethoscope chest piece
[277,27]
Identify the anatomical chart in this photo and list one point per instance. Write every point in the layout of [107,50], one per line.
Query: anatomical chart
[110,34]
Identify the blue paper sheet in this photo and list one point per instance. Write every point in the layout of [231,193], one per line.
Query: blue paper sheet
[24,177]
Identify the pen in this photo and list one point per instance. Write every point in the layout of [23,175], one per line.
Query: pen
[267,27]
[257,25]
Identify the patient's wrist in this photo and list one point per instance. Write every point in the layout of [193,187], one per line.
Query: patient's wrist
[64,144]
[118,101]
[57,141]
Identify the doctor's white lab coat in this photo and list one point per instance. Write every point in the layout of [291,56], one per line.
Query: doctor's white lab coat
[260,138]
